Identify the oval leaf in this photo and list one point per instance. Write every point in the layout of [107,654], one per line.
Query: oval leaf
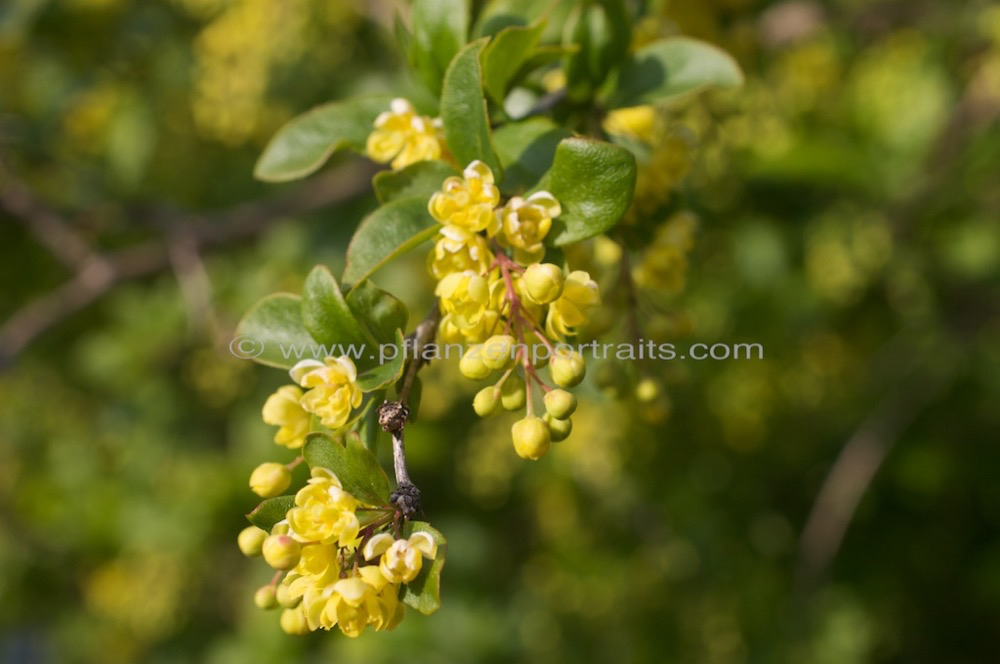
[271,511]
[326,314]
[389,371]
[672,68]
[307,141]
[389,231]
[526,150]
[504,56]
[593,182]
[424,592]
[273,333]
[440,28]
[421,179]
[380,313]
[357,469]
[463,110]
[602,29]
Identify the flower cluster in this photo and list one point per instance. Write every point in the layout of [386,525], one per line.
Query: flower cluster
[331,394]
[404,137]
[326,390]
[331,570]
[505,305]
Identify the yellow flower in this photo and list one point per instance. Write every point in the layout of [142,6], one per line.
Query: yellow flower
[465,296]
[458,250]
[363,598]
[333,394]
[324,512]
[404,137]
[401,559]
[580,293]
[641,123]
[283,409]
[467,201]
[525,223]
[668,163]
[664,264]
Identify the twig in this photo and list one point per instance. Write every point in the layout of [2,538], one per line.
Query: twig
[857,464]
[100,272]
[393,415]
[423,335]
[48,227]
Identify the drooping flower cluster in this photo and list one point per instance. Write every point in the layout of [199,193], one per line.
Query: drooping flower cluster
[332,572]
[510,310]
[404,137]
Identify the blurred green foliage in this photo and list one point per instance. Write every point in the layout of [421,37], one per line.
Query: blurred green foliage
[848,203]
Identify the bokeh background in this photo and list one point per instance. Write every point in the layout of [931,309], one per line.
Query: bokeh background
[836,502]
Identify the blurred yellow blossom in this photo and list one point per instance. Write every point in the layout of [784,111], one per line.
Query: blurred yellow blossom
[284,409]
[404,137]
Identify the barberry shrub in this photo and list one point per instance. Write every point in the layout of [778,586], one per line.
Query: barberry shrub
[534,128]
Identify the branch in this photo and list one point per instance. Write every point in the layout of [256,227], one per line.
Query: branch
[100,272]
[393,415]
[48,227]
[858,463]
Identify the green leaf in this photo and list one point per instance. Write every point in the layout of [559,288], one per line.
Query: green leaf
[672,68]
[271,511]
[327,315]
[602,29]
[463,110]
[593,182]
[370,429]
[368,517]
[388,372]
[420,179]
[357,469]
[307,141]
[526,150]
[440,29]
[504,55]
[386,233]
[273,333]
[424,592]
[380,313]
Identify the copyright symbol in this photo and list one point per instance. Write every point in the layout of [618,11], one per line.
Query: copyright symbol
[246,348]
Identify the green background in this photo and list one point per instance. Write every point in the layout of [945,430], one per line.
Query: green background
[848,197]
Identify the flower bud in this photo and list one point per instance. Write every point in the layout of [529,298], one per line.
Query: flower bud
[293,621]
[531,438]
[264,598]
[250,540]
[543,282]
[284,597]
[559,430]
[498,352]
[487,402]
[512,393]
[281,551]
[560,404]
[647,390]
[472,366]
[567,368]
[270,479]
